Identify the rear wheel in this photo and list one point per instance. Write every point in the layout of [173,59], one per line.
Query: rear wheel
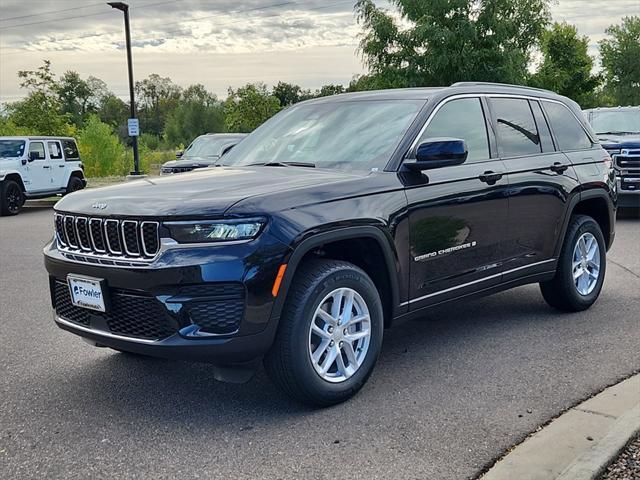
[11,198]
[330,334]
[581,267]
[74,185]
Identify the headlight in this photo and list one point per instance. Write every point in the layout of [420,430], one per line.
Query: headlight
[215,230]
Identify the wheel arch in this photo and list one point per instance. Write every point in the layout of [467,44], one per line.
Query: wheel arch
[596,204]
[380,264]
[16,178]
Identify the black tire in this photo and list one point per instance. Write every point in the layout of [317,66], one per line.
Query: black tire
[561,292]
[288,363]
[74,185]
[11,198]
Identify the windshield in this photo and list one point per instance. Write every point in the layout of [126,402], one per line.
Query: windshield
[616,121]
[206,147]
[358,135]
[11,148]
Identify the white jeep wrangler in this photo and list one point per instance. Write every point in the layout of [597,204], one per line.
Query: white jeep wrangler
[37,167]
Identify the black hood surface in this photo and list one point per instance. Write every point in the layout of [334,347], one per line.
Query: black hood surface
[620,141]
[199,194]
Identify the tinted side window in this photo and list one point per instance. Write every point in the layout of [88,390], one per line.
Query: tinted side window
[516,129]
[462,118]
[70,150]
[38,149]
[568,132]
[543,127]
[55,153]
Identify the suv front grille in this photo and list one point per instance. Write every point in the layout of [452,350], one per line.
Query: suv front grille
[128,239]
[628,160]
[130,314]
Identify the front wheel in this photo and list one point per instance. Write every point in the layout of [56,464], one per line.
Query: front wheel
[330,334]
[581,267]
[11,198]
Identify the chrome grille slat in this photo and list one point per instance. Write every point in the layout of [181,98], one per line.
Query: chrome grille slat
[107,239]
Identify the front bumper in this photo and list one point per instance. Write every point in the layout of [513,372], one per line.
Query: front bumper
[203,303]
[629,191]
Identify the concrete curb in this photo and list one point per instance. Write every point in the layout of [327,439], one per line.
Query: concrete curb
[581,442]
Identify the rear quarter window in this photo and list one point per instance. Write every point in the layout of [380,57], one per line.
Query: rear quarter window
[567,129]
[70,150]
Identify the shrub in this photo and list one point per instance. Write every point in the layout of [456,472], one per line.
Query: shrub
[101,151]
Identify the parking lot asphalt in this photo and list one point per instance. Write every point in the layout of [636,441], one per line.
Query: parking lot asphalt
[451,392]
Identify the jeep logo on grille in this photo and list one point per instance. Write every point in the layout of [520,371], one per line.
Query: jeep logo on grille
[99,206]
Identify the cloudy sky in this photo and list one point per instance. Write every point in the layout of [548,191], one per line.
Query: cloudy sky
[218,43]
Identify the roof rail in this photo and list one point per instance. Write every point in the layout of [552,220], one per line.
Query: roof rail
[489,84]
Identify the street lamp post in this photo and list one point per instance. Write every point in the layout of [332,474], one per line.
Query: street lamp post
[133,123]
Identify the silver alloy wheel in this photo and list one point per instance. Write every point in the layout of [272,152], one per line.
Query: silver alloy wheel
[586,264]
[339,335]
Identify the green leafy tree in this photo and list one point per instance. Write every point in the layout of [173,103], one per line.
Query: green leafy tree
[101,150]
[248,107]
[39,113]
[330,89]
[287,93]
[156,96]
[566,65]
[74,94]
[199,112]
[442,42]
[621,61]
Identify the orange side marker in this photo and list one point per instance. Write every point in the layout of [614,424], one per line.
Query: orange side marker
[276,284]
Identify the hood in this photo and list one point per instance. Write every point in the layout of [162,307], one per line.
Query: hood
[610,141]
[191,162]
[203,193]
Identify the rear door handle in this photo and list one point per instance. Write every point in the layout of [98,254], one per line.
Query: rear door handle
[46,166]
[490,177]
[558,167]
[61,166]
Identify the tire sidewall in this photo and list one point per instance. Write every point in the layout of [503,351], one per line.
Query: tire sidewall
[4,187]
[75,184]
[586,226]
[304,370]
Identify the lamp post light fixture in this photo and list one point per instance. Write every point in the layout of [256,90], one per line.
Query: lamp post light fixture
[133,121]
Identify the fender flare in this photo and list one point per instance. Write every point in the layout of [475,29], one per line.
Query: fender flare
[347,233]
[575,200]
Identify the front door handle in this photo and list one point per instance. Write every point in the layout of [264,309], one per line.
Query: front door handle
[558,167]
[490,177]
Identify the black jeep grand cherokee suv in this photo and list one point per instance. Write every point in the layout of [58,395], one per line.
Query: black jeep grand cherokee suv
[334,219]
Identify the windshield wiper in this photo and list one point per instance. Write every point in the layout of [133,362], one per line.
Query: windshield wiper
[283,164]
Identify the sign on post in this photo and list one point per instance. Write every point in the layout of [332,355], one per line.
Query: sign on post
[134,127]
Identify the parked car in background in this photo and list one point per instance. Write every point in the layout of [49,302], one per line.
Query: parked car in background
[335,219]
[37,167]
[204,151]
[618,129]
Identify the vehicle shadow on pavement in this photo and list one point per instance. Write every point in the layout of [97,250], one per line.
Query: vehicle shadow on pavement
[135,388]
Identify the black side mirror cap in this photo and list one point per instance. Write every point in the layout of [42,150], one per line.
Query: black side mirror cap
[33,156]
[179,153]
[437,153]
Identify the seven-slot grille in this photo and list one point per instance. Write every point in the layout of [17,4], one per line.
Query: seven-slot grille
[111,237]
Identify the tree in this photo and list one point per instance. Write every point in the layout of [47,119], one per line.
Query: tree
[248,107]
[330,89]
[621,61]
[566,65]
[199,112]
[287,93]
[74,94]
[157,96]
[101,151]
[39,112]
[442,42]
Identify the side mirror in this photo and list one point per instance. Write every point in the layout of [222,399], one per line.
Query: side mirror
[439,152]
[179,153]
[33,156]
